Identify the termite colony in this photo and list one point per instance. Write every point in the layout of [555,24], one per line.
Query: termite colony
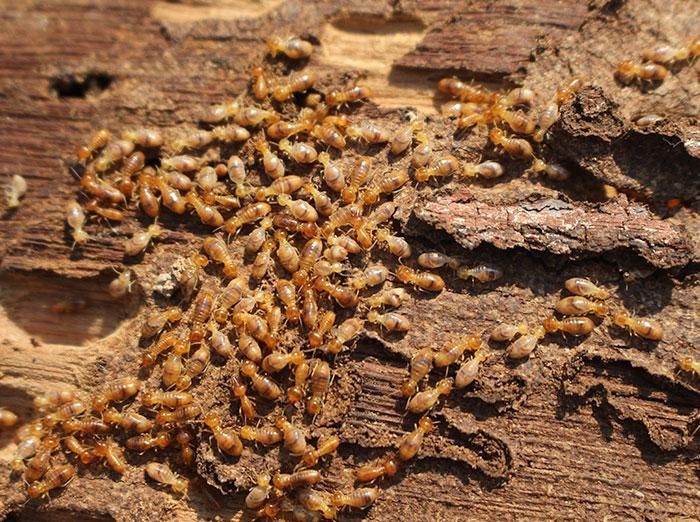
[295,289]
[656,63]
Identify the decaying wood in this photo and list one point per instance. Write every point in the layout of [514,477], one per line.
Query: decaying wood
[591,429]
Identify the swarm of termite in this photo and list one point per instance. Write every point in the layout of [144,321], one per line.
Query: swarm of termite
[295,288]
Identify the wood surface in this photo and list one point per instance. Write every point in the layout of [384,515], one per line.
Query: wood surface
[596,429]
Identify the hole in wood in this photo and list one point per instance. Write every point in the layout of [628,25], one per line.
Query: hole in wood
[80,86]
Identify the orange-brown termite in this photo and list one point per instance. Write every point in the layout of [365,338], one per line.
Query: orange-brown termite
[369,472]
[226,438]
[55,477]
[118,390]
[585,288]
[292,47]
[113,455]
[425,400]
[359,498]
[266,435]
[643,327]
[424,280]
[163,474]
[147,441]
[217,249]
[96,142]
[411,442]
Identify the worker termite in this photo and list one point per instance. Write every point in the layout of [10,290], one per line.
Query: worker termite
[548,117]
[629,71]
[411,443]
[369,472]
[513,146]
[101,189]
[203,306]
[392,321]
[281,186]
[181,163]
[265,386]
[56,477]
[359,498]
[643,327]
[524,345]
[329,135]
[343,216]
[217,249]
[294,439]
[147,441]
[247,214]
[453,351]
[39,464]
[163,474]
[425,400]
[585,288]
[53,399]
[172,370]
[146,138]
[75,217]
[121,285]
[481,273]
[299,208]
[128,421]
[365,226]
[112,214]
[690,365]
[424,280]
[458,89]
[64,412]
[258,495]
[486,169]
[87,425]
[320,383]
[7,418]
[469,370]
[195,365]
[368,133]
[15,190]
[73,445]
[306,477]
[183,438]
[506,332]
[221,342]
[300,152]
[207,213]
[139,240]
[292,47]
[273,165]
[169,399]
[325,446]
[344,296]
[373,275]
[577,305]
[112,153]
[265,435]
[346,96]
[97,141]
[332,174]
[316,502]
[167,340]
[392,297]
[157,320]
[226,438]
[179,415]
[113,455]
[398,246]
[293,84]
[118,390]
[552,170]
[384,184]
[437,260]
[343,334]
